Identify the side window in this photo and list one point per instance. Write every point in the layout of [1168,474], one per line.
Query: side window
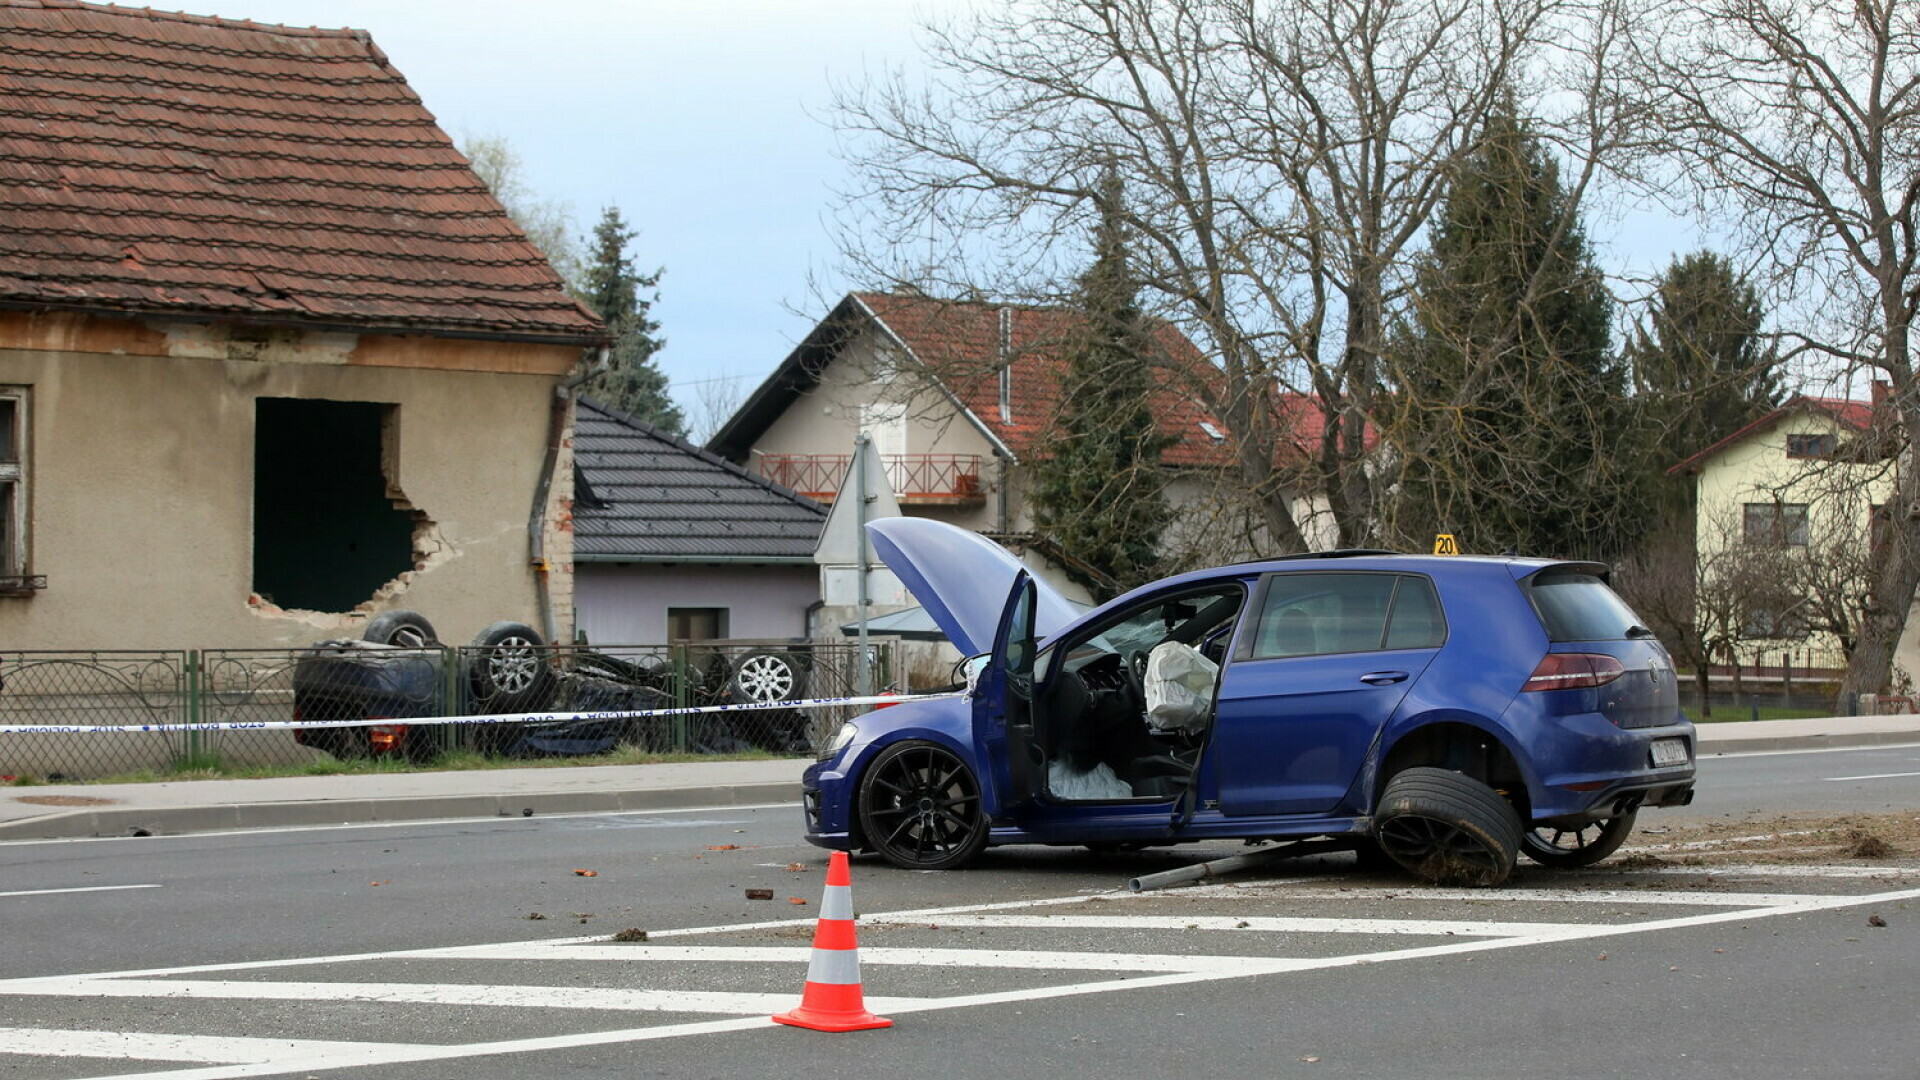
[13,493]
[1317,614]
[1416,622]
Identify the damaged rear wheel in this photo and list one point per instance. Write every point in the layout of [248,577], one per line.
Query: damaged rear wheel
[1570,849]
[1447,828]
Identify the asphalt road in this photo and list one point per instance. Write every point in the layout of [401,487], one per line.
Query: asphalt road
[1028,965]
[1849,781]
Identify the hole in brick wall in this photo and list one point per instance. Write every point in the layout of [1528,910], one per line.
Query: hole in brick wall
[330,524]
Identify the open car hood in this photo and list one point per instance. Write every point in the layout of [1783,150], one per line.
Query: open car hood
[962,579]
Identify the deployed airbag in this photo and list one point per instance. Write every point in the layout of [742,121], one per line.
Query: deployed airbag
[1179,688]
[1099,782]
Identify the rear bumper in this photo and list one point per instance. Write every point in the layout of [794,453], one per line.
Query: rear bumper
[1626,798]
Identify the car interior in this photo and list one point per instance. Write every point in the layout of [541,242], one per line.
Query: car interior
[1091,722]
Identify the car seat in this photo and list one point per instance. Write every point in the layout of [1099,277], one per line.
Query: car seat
[1290,633]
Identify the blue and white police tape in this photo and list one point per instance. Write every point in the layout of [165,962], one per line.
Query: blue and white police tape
[487,718]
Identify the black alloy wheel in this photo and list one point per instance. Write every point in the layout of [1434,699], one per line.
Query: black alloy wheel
[1570,849]
[920,808]
[1447,828]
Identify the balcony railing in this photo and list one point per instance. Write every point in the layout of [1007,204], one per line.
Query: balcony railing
[916,478]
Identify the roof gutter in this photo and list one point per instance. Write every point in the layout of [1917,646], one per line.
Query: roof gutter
[697,560]
[322,325]
[562,404]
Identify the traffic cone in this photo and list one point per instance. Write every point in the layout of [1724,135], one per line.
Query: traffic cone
[832,1000]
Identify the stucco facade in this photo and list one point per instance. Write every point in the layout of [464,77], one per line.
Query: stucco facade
[627,603]
[142,445]
[1781,482]
[861,390]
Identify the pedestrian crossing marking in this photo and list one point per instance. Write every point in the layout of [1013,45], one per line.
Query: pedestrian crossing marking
[210,1057]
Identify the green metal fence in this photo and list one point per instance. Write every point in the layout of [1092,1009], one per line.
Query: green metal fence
[225,697]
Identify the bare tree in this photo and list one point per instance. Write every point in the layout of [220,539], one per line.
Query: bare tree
[1716,595]
[549,223]
[1806,117]
[1280,160]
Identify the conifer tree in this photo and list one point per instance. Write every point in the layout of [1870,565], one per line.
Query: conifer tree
[610,286]
[1099,493]
[1510,412]
[1701,368]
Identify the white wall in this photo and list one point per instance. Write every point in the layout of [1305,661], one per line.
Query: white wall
[626,604]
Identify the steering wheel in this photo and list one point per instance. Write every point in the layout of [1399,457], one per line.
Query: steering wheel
[1133,664]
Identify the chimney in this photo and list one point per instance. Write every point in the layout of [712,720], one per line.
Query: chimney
[1006,365]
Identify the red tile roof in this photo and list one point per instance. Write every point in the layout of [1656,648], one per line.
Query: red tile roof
[960,343]
[1847,412]
[153,162]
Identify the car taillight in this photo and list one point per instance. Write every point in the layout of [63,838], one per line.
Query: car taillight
[1574,671]
[299,734]
[385,738]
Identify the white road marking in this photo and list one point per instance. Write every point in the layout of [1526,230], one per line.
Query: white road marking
[1635,897]
[1871,776]
[312,1056]
[520,997]
[1250,924]
[134,1045]
[1836,872]
[869,957]
[88,888]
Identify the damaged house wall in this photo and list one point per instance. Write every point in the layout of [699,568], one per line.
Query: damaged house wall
[376,476]
[280,220]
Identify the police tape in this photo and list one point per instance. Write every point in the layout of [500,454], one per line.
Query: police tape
[485,718]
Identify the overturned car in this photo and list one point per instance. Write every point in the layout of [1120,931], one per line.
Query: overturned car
[1446,714]
[399,671]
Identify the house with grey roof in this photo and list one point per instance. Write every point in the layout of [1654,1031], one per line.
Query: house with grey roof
[672,543]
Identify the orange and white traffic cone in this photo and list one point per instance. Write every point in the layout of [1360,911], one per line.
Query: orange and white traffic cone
[832,1000]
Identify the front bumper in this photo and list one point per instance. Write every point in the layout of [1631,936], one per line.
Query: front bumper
[825,808]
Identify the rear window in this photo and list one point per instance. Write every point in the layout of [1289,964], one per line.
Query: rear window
[1577,606]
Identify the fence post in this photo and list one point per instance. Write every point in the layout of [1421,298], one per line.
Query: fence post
[450,682]
[681,696]
[195,686]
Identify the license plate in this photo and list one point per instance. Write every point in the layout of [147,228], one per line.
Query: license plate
[1669,752]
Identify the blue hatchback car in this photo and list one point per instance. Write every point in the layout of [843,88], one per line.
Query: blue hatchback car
[1444,713]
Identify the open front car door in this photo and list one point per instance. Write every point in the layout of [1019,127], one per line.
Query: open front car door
[1003,701]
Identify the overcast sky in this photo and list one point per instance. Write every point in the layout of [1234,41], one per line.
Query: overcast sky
[704,121]
[700,119]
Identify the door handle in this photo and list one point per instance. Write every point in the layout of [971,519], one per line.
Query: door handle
[1383,678]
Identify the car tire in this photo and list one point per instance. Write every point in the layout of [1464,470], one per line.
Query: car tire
[509,670]
[920,807]
[407,629]
[1447,828]
[768,677]
[1570,849]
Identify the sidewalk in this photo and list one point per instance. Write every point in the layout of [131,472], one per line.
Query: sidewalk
[54,811]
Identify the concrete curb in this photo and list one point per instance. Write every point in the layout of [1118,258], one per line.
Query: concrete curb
[177,820]
[1749,744]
